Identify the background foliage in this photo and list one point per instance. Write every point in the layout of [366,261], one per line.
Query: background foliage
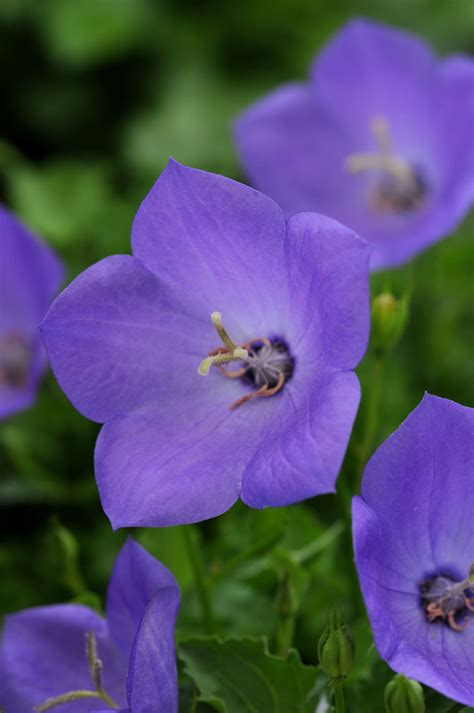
[95,95]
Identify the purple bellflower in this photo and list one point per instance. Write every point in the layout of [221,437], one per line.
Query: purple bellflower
[380,138]
[414,547]
[30,274]
[219,357]
[68,658]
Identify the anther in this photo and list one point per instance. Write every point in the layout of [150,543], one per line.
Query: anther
[263,391]
[453,623]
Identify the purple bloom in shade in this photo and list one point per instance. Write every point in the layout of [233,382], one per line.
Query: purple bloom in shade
[30,274]
[126,661]
[414,547]
[126,339]
[380,138]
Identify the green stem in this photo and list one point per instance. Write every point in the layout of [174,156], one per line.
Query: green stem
[284,635]
[371,416]
[286,609]
[339,697]
[200,577]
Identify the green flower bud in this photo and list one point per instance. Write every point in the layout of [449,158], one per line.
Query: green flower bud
[403,695]
[389,317]
[336,647]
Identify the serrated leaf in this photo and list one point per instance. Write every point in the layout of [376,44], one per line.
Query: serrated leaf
[240,676]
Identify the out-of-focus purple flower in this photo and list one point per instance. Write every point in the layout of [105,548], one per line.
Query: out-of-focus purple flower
[414,547]
[126,339]
[125,661]
[30,274]
[380,138]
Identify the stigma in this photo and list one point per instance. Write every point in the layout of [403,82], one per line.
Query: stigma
[14,361]
[265,363]
[398,187]
[447,600]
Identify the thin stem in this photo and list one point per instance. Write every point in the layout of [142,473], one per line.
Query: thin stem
[339,697]
[306,554]
[371,416]
[200,577]
[286,607]
[284,635]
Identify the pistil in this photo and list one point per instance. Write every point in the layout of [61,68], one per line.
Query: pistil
[402,188]
[222,355]
[95,669]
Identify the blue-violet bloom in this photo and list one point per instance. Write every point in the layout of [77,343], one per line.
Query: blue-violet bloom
[380,138]
[219,357]
[68,658]
[30,274]
[414,547]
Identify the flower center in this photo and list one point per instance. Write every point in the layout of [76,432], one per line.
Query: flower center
[398,187]
[95,669]
[14,361]
[445,599]
[265,363]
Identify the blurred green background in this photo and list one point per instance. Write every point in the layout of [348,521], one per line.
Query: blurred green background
[95,96]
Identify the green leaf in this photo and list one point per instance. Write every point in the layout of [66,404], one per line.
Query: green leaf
[240,676]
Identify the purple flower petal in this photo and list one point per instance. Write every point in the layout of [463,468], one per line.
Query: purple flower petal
[329,288]
[30,274]
[180,466]
[117,340]
[126,343]
[197,231]
[136,579]
[413,522]
[43,655]
[303,449]
[152,683]
[284,138]
[295,144]
[394,70]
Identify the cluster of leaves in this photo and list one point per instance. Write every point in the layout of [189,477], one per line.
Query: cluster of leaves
[101,95]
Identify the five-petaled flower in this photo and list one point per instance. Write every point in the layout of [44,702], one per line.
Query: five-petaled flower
[414,547]
[381,139]
[68,658]
[275,314]
[30,274]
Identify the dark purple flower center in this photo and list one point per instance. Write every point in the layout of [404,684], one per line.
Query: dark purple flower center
[390,195]
[15,355]
[447,600]
[265,363]
[397,186]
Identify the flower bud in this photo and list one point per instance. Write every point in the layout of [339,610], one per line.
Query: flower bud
[403,695]
[336,647]
[389,317]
